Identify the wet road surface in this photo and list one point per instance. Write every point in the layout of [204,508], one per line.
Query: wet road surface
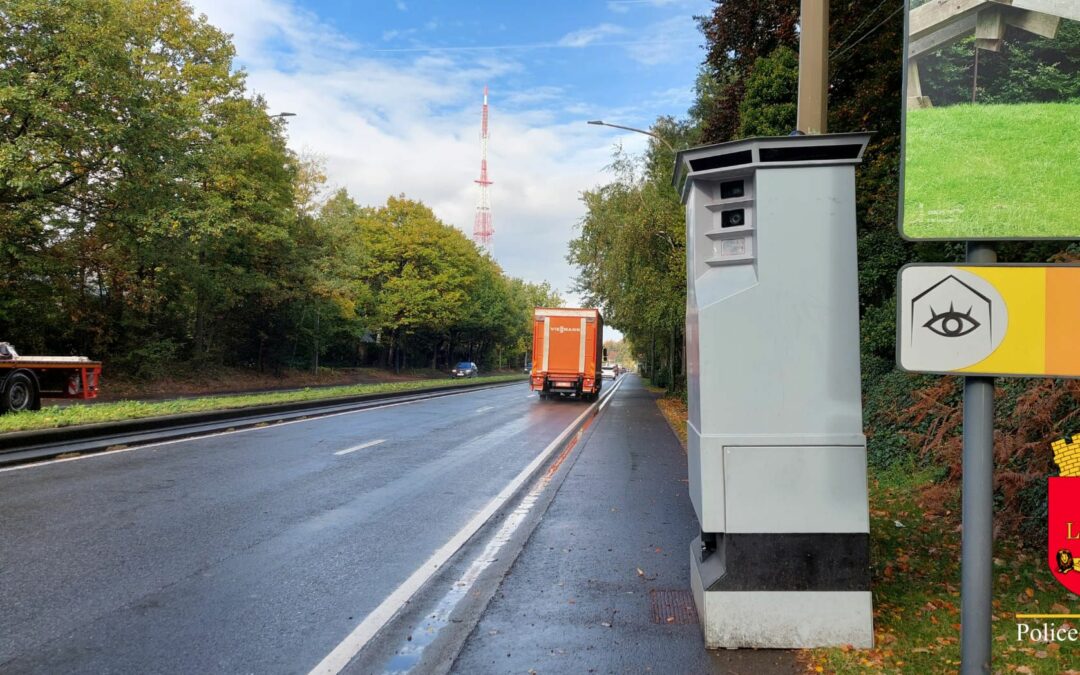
[249,552]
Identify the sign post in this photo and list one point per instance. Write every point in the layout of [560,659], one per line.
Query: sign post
[980,173]
[983,319]
[977,497]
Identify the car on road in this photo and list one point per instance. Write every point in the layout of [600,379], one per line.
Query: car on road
[465,369]
[609,371]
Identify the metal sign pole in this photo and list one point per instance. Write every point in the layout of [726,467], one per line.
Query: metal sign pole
[977,544]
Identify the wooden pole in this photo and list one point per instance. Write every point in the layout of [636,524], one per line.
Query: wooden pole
[814,67]
[975,77]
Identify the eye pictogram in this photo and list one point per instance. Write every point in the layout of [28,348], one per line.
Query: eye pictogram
[952,323]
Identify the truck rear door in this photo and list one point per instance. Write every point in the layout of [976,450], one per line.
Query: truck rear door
[564,344]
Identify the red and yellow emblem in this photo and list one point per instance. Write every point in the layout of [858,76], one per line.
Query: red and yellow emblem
[1063,537]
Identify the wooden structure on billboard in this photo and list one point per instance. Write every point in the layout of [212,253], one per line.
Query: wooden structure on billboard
[939,23]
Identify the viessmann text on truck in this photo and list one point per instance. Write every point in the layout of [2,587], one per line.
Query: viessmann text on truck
[568,348]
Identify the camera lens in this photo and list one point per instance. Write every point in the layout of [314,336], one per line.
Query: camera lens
[732,189]
[733,218]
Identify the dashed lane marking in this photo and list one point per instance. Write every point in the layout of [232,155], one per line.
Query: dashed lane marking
[360,447]
[343,653]
[216,434]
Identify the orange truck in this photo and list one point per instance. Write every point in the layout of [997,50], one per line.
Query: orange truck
[568,349]
[24,380]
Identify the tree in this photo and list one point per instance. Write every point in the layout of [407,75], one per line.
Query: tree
[769,105]
[631,253]
[151,214]
[1028,68]
[737,33]
[146,204]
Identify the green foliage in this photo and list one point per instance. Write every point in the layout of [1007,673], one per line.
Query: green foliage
[151,214]
[434,295]
[769,105]
[631,255]
[737,33]
[1027,69]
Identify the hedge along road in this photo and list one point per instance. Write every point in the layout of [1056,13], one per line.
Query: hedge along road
[251,551]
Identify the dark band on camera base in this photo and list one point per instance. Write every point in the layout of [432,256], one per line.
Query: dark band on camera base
[784,562]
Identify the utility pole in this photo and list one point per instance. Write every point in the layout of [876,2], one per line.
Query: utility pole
[814,67]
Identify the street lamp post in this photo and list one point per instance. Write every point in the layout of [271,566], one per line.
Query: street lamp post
[640,131]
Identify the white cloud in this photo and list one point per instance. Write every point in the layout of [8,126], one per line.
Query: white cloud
[411,125]
[587,36]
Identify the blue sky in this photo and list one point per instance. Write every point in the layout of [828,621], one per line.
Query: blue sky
[387,94]
[635,55]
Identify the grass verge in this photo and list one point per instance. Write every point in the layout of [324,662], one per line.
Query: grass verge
[54,416]
[915,554]
[992,171]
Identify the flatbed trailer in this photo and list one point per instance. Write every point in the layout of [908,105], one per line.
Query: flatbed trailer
[25,380]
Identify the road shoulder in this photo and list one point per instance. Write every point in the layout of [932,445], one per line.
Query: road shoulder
[603,583]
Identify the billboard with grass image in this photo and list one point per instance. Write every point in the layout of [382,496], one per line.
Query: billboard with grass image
[992,120]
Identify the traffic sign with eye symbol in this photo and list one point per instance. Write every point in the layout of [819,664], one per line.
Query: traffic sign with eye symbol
[952,323]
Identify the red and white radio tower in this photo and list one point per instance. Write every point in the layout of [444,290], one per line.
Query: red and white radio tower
[483,232]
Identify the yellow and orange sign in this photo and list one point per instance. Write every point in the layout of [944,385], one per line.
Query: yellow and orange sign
[1014,320]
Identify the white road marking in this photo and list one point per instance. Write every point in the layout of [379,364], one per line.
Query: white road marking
[485,409]
[608,397]
[441,614]
[271,425]
[360,447]
[340,657]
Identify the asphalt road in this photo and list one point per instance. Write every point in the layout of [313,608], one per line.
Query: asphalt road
[256,551]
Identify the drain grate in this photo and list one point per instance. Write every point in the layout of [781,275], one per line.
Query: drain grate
[672,607]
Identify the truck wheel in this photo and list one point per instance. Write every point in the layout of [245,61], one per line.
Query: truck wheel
[20,394]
